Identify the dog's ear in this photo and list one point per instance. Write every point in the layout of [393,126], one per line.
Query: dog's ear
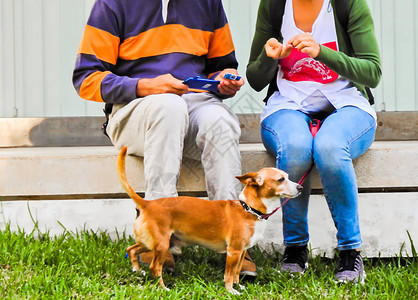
[260,180]
[249,178]
[252,178]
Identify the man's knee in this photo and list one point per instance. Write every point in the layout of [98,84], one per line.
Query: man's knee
[167,108]
[220,126]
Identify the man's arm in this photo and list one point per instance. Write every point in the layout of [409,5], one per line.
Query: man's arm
[97,56]
[221,55]
[159,85]
[94,77]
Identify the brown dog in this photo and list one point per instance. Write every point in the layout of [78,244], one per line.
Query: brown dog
[224,226]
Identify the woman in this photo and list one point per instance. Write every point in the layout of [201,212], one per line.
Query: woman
[318,70]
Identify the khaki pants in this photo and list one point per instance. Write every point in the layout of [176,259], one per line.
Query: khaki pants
[162,128]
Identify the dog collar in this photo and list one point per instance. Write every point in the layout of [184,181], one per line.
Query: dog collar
[253,211]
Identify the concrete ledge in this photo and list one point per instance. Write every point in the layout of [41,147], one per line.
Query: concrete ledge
[52,132]
[46,181]
[92,170]
[385,219]
[86,131]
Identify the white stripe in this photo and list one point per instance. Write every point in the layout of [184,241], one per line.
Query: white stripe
[164,10]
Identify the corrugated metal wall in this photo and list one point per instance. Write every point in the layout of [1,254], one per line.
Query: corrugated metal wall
[39,41]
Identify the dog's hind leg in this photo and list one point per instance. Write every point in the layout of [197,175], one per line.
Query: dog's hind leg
[175,245]
[133,253]
[160,252]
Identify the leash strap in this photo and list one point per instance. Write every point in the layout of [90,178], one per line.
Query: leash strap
[314,127]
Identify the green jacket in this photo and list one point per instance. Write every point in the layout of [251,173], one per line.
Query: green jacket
[358,61]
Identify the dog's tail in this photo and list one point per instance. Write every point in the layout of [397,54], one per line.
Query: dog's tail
[139,201]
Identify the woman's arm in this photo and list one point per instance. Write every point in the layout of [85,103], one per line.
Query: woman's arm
[364,66]
[261,68]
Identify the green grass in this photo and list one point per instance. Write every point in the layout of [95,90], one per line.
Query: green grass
[89,265]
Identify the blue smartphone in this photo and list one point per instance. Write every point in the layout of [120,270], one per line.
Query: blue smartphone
[200,83]
[232,76]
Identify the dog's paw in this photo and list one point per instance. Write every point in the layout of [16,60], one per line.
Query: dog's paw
[235,292]
[140,271]
[176,250]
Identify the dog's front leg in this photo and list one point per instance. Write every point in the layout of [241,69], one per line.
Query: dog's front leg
[233,259]
[239,268]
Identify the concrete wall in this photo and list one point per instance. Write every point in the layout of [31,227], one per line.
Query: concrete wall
[381,237]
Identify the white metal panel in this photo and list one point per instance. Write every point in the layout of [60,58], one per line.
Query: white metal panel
[387,50]
[18,63]
[29,57]
[404,55]
[39,41]
[415,37]
[242,15]
[51,59]
[375,7]
[7,58]
[73,16]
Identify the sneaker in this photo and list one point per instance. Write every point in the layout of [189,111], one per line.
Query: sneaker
[350,267]
[295,260]
[248,267]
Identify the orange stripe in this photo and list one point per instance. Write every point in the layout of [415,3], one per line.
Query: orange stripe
[99,43]
[90,88]
[197,91]
[166,39]
[221,43]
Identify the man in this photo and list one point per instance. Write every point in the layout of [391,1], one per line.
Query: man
[134,56]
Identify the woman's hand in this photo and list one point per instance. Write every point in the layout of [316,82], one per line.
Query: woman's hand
[305,43]
[276,50]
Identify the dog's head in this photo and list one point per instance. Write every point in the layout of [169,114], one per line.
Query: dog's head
[271,183]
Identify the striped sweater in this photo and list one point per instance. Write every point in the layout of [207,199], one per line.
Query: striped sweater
[125,40]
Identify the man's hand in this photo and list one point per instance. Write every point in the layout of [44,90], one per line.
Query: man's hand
[276,50]
[305,43]
[160,85]
[229,87]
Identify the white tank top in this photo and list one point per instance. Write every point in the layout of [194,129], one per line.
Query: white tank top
[306,84]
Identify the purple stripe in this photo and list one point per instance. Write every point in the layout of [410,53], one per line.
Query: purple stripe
[179,65]
[118,89]
[128,18]
[85,65]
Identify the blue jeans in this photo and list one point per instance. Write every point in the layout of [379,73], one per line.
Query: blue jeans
[344,135]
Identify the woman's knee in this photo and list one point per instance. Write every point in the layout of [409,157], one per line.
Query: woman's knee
[328,151]
[291,144]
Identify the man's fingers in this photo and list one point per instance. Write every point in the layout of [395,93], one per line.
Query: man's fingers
[230,88]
